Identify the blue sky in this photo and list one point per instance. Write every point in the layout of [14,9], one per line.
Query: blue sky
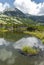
[8,1]
[11,1]
[38,1]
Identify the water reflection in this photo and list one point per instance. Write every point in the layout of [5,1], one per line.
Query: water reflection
[10,56]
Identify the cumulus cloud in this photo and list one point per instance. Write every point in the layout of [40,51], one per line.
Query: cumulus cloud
[41,12]
[30,7]
[3,6]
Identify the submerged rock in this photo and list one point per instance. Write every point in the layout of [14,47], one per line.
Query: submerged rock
[29,46]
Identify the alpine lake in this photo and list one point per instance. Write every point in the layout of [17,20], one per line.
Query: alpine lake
[10,56]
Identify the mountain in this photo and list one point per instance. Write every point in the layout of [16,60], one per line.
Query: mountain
[37,18]
[13,12]
[16,12]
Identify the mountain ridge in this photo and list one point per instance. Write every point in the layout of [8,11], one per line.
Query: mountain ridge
[16,12]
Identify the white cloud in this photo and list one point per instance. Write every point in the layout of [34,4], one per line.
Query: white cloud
[3,6]
[28,6]
[41,12]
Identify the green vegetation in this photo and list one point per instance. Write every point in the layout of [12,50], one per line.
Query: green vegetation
[37,34]
[21,25]
[29,50]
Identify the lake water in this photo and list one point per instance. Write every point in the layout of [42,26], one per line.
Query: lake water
[10,56]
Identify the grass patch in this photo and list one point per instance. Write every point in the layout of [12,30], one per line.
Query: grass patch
[37,34]
[29,50]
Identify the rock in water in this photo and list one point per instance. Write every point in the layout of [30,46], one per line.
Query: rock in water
[31,42]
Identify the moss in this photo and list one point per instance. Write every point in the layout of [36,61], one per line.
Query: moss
[30,50]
